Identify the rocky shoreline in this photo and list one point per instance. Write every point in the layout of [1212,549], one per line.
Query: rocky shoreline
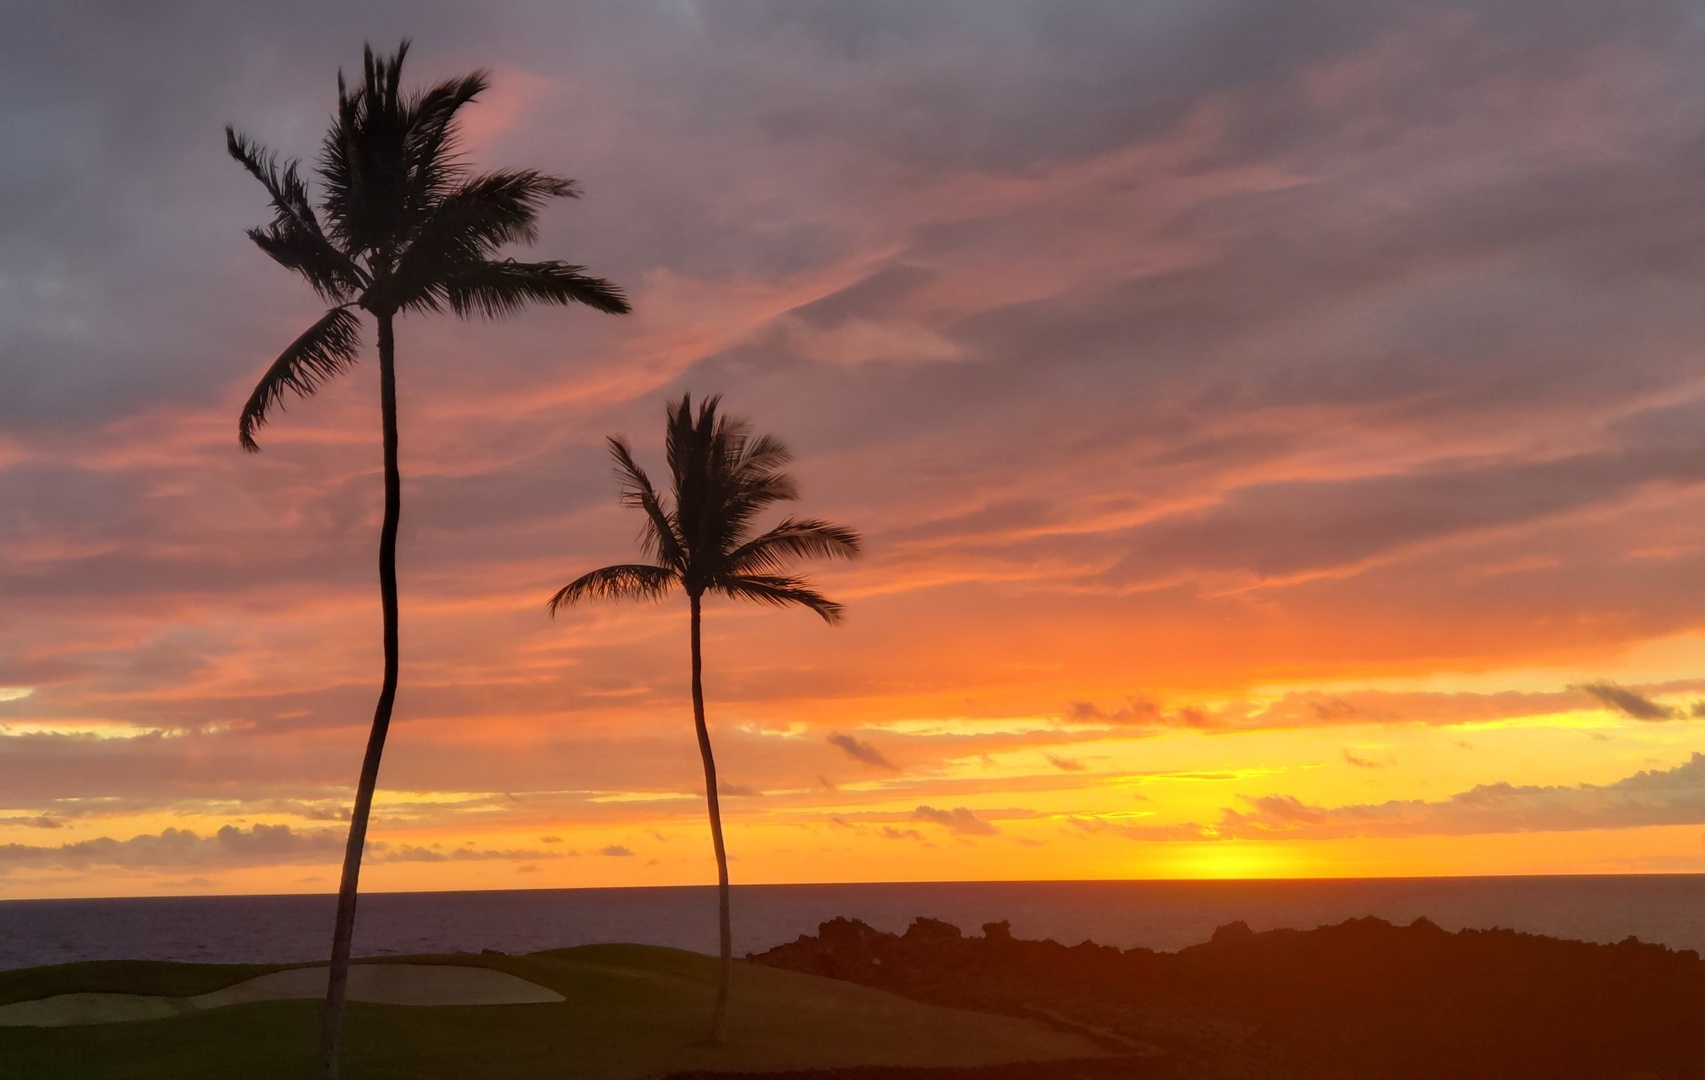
[1363,998]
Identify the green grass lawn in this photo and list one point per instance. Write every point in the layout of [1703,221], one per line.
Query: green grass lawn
[632,1011]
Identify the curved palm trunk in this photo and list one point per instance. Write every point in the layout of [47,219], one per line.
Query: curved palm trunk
[719,1016]
[331,1023]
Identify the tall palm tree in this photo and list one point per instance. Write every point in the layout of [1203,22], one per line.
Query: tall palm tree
[403,226]
[702,541]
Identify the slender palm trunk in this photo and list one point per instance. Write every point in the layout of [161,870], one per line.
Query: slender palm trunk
[331,1023]
[719,1016]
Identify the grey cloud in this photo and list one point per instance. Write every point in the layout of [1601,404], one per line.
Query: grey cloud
[861,751]
[1279,529]
[959,820]
[176,849]
[873,295]
[1334,708]
[1303,709]
[416,853]
[983,87]
[616,851]
[1655,797]
[1065,764]
[1137,831]
[37,821]
[1629,703]
[329,810]
[1134,711]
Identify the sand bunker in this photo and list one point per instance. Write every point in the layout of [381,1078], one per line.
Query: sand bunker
[381,984]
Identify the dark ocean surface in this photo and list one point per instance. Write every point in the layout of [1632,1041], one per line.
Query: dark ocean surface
[1164,915]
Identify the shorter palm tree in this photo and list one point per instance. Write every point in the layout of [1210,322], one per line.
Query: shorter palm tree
[723,477]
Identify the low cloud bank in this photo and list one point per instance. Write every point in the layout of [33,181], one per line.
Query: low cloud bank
[1314,709]
[229,848]
[959,820]
[1652,797]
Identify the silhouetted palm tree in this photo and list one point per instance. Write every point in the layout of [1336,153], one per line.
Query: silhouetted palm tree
[722,478]
[402,227]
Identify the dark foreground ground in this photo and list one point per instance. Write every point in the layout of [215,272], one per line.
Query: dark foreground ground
[1363,999]
[1144,1067]
[629,1012]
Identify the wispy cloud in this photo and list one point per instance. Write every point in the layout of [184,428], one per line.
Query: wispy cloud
[178,849]
[1629,703]
[232,847]
[415,853]
[1653,797]
[861,751]
[958,820]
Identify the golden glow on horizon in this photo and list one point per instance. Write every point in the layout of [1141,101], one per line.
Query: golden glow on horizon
[1232,859]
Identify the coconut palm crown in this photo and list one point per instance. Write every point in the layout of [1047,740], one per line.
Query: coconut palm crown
[702,540]
[402,227]
[722,478]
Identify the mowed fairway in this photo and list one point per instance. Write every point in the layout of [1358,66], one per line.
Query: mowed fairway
[631,1011]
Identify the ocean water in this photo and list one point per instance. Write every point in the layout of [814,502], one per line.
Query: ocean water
[1165,915]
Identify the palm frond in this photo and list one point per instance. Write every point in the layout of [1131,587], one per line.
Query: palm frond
[332,276]
[659,538]
[288,191]
[631,581]
[323,350]
[294,238]
[468,226]
[364,160]
[794,538]
[740,501]
[760,457]
[432,160]
[722,476]
[752,479]
[686,444]
[780,591]
[695,449]
[495,208]
[495,289]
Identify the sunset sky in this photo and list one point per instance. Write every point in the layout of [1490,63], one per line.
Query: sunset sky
[1278,431]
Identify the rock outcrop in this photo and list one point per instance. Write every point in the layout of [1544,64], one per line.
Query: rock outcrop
[1363,998]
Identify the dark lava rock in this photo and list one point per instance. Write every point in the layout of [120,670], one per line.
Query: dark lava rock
[1362,999]
[1088,1069]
